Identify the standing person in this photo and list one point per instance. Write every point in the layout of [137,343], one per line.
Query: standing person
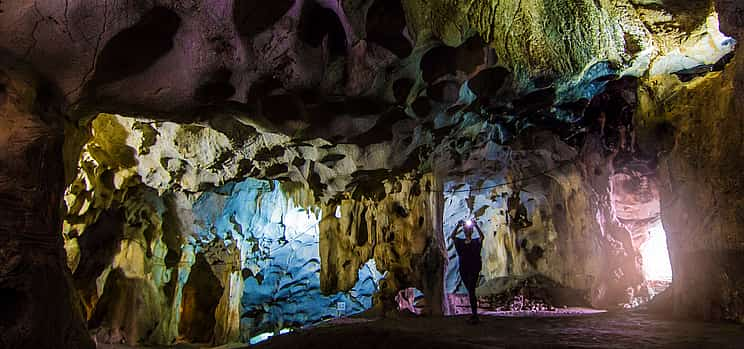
[468,251]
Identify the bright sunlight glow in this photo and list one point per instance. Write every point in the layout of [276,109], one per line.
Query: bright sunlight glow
[656,264]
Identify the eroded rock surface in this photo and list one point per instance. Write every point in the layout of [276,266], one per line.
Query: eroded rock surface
[235,167]
[38,295]
[696,126]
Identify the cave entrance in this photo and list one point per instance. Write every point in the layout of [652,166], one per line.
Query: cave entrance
[636,201]
[657,267]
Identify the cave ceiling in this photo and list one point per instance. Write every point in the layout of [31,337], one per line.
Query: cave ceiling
[326,93]
[302,65]
[333,93]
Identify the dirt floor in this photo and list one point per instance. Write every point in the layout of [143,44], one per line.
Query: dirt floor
[602,330]
[569,329]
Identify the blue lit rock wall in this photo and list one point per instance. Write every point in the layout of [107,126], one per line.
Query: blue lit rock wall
[164,185]
[278,242]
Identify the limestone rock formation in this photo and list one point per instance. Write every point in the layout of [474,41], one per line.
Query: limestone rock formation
[176,231]
[231,169]
[393,223]
[38,295]
[696,128]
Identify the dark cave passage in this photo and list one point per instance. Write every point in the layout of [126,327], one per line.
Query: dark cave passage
[386,22]
[318,23]
[151,38]
[200,297]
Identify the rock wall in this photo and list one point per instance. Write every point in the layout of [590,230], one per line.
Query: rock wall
[39,301]
[548,210]
[696,127]
[243,260]
[276,246]
[160,216]
[395,223]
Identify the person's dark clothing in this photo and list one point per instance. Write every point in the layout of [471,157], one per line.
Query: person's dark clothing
[470,267]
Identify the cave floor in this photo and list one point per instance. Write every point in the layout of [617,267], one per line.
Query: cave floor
[597,330]
[603,330]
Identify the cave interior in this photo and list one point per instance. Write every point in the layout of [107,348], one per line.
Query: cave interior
[281,174]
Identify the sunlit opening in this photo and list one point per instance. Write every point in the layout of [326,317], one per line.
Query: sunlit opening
[656,264]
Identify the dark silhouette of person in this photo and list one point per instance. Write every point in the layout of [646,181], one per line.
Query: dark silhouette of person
[468,251]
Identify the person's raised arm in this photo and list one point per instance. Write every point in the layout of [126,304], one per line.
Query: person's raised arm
[480,232]
[454,231]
